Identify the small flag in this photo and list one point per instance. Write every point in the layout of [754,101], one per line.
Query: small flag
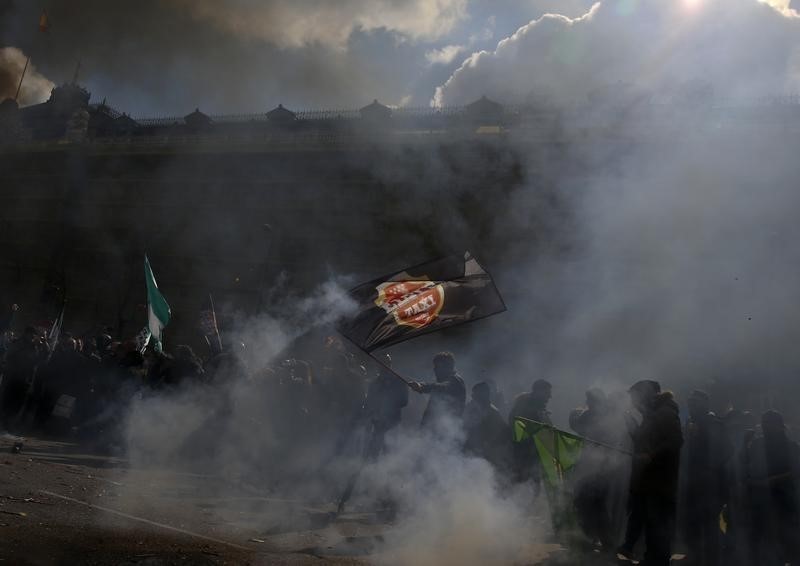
[425,298]
[44,22]
[158,311]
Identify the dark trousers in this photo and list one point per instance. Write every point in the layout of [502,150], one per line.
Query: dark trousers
[774,533]
[12,400]
[655,515]
[591,504]
[702,532]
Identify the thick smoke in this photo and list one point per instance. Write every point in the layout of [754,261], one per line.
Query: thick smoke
[453,508]
[35,88]
[740,47]
[675,259]
[671,258]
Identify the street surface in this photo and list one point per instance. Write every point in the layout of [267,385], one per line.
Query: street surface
[60,504]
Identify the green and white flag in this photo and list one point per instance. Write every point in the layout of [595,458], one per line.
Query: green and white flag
[158,312]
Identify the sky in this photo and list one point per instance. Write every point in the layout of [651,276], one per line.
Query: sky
[167,57]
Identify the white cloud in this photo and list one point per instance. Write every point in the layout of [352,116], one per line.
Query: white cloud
[295,23]
[486,33]
[742,47]
[443,56]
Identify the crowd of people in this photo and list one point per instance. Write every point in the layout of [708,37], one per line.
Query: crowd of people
[725,486]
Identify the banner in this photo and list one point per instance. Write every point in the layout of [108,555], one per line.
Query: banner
[425,298]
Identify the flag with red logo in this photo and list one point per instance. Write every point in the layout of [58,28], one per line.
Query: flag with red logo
[421,299]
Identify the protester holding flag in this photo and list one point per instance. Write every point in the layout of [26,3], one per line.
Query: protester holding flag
[531,405]
[447,394]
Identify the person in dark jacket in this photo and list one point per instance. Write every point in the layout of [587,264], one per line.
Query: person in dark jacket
[447,394]
[386,397]
[488,436]
[530,405]
[705,480]
[654,478]
[533,404]
[597,468]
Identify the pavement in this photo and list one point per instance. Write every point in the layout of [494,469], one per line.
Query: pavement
[62,504]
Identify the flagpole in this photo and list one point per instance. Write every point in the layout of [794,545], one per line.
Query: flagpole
[582,438]
[381,363]
[22,78]
[216,324]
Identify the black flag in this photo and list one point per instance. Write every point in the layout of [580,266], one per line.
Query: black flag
[425,298]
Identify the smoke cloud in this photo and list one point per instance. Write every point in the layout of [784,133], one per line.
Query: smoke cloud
[35,88]
[740,47]
[453,508]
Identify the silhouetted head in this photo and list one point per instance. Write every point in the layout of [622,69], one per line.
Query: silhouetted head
[104,342]
[772,424]
[492,385]
[444,365]
[699,404]
[596,399]
[643,394]
[542,390]
[481,394]
[749,420]
[67,344]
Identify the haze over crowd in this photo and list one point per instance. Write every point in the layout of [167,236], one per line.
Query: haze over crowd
[672,258]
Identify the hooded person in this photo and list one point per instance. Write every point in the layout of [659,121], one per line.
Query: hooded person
[657,445]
